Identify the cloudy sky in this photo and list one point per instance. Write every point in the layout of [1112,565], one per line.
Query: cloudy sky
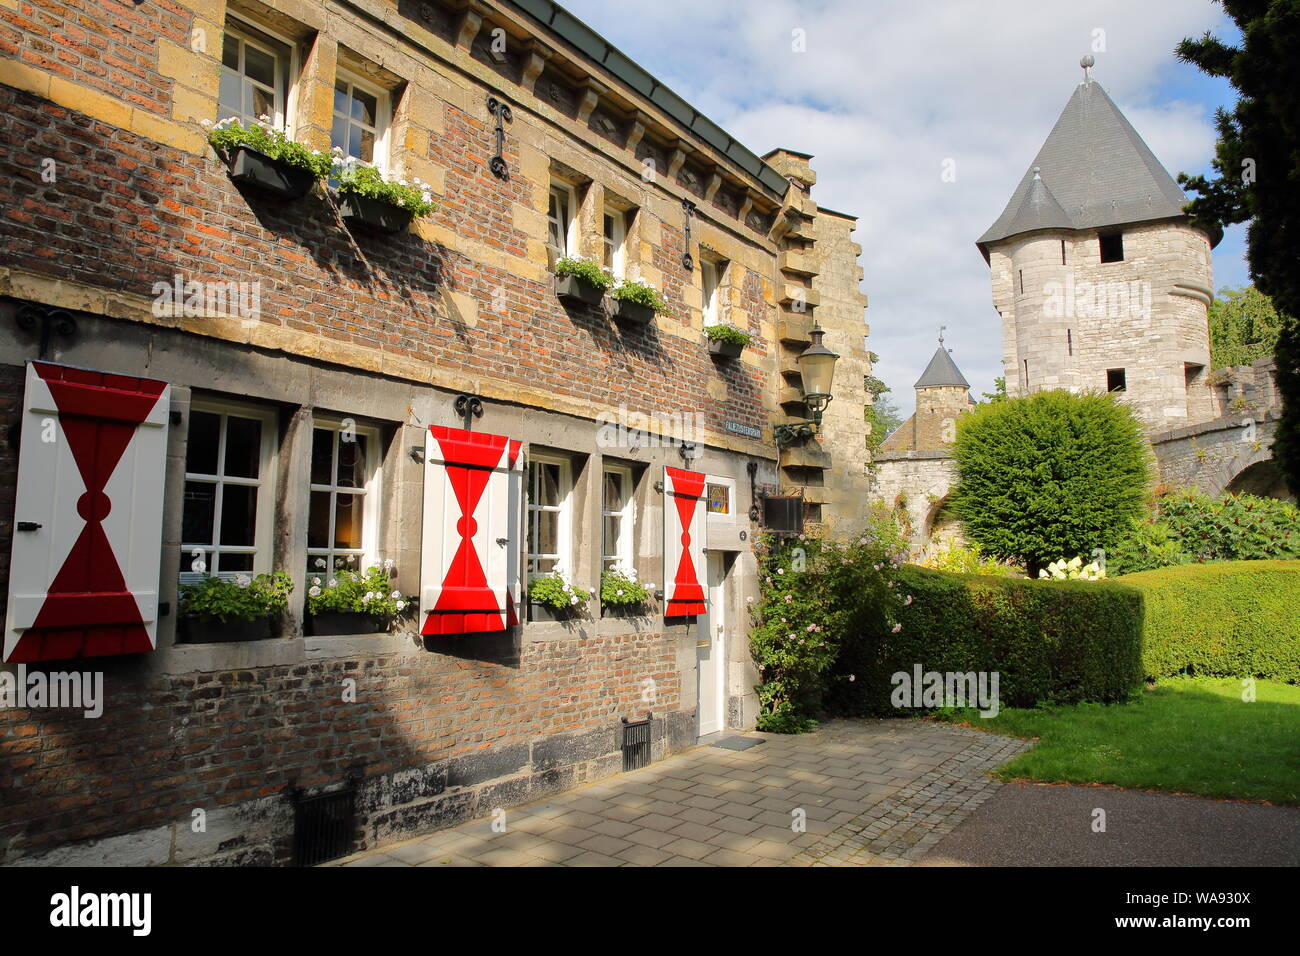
[884,92]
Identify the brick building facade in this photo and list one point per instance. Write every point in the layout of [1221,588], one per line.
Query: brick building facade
[347,350]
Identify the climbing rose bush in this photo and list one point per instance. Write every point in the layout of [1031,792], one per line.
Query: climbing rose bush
[815,594]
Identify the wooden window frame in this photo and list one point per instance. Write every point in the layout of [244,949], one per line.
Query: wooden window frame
[369,552]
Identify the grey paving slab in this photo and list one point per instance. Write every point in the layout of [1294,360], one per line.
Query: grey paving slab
[860,792]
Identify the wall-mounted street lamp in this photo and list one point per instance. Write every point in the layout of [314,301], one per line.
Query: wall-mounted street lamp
[817,369]
[468,407]
[689,451]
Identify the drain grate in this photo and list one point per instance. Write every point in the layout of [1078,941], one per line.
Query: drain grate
[323,826]
[737,743]
[636,743]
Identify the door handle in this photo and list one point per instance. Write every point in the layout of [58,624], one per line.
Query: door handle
[503,541]
[28,526]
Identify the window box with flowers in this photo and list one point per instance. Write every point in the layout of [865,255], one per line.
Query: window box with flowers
[621,594]
[263,157]
[726,341]
[637,302]
[552,598]
[219,609]
[581,280]
[350,603]
[368,198]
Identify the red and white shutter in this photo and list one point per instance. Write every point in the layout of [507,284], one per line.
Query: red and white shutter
[684,509]
[473,529]
[83,577]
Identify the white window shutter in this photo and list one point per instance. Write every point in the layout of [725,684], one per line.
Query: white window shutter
[83,579]
[684,508]
[473,531]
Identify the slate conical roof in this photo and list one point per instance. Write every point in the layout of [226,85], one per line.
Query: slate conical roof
[1094,168]
[942,370]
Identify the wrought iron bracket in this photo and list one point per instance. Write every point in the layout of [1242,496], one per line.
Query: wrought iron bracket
[793,434]
[469,407]
[501,113]
[688,263]
[754,510]
[52,322]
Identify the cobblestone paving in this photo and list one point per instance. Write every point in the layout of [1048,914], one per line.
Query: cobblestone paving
[867,792]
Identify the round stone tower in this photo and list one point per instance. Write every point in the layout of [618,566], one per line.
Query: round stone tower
[1101,282]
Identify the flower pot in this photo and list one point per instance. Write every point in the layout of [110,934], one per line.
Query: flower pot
[573,289]
[721,349]
[194,631]
[248,167]
[623,610]
[374,213]
[633,313]
[544,612]
[332,623]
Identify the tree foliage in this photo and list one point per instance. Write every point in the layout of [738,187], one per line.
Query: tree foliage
[1053,475]
[1244,326]
[1257,167]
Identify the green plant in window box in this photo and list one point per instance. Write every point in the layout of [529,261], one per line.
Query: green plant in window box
[637,301]
[348,592]
[552,591]
[375,199]
[620,588]
[242,598]
[726,341]
[263,156]
[578,279]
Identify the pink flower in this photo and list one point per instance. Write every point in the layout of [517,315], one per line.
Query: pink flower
[895,629]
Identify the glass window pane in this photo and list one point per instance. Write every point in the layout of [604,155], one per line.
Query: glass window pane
[197,513]
[609,227]
[354,143]
[613,491]
[238,514]
[348,515]
[322,456]
[227,562]
[352,462]
[548,492]
[259,65]
[341,97]
[364,107]
[263,103]
[551,207]
[339,135]
[243,446]
[542,565]
[202,443]
[230,52]
[228,101]
[367,146]
[318,520]
[613,525]
[548,532]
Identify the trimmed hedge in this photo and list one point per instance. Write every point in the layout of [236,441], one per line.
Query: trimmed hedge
[1231,619]
[1049,641]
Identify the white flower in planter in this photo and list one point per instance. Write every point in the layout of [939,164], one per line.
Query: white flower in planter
[619,592]
[389,564]
[243,580]
[314,591]
[396,595]
[370,596]
[401,605]
[315,581]
[333,582]
[573,600]
[895,629]
[320,562]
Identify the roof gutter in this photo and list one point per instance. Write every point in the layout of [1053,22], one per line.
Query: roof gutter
[591,44]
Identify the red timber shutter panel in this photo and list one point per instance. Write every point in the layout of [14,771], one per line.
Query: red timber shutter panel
[83,576]
[683,542]
[473,528]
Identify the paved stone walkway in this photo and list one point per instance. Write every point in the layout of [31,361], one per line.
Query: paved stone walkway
[862,793]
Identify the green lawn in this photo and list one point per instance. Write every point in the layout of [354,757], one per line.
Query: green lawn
[1183,736]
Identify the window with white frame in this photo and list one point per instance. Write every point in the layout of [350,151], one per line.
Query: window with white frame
[360,120]
[255,70]
[549,493]
[228,498]
[616,517]
[561,209]
[613,235]
[342,519]
[710,280]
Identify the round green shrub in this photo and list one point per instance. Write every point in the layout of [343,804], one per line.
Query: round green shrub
[1053,475]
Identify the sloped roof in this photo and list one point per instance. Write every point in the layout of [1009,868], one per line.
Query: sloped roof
[942,370]
[1094,168]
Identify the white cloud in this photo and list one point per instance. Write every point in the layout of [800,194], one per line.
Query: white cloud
[885,92]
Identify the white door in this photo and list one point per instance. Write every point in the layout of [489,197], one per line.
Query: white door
[711,650]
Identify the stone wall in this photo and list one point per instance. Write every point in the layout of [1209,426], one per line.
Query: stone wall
[1072,317]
